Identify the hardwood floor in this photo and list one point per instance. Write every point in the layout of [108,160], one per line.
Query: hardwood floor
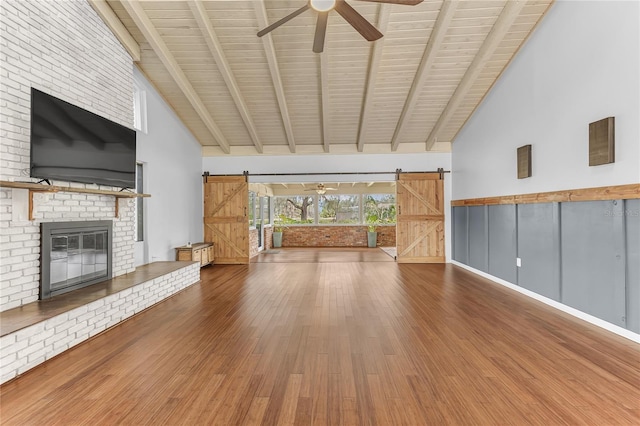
[338,343]
[322,255]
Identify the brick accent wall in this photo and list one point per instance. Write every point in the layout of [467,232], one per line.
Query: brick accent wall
[336,236]
[268,237]
[33,345]
[62,48]
[253,242]
[323,236]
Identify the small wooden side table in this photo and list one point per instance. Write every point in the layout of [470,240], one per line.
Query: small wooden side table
[197,252]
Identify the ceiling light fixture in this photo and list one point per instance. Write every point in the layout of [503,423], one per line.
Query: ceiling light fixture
[320,189]
[322,5]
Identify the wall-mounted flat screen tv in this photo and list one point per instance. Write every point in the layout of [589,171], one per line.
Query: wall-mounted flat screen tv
[71,144]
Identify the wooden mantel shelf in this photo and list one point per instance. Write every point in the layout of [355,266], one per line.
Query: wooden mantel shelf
[36,187]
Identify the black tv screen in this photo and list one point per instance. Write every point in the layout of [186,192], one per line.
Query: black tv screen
[72,144]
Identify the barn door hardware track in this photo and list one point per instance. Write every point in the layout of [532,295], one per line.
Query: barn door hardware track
[397,172]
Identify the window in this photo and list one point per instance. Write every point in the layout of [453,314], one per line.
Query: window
[139,205]
[139,107]
[252,208]
[295,209]
[379,208]
[344,209]
[334,209]
[266,210]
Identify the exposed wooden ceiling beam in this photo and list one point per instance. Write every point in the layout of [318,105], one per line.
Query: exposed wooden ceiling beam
[204,23]
[428,59]
[142,21]
[507,17]
[274,68]
[112,21]
[370,184]
[372,73]
[324,99]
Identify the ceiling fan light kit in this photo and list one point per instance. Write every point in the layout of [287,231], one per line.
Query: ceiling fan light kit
[321,189]
[322,5]
[352,16]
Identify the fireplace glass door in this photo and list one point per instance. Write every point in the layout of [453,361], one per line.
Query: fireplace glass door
[74,255]
[77,258]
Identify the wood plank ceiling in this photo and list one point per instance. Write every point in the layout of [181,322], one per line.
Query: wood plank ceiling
[410,91]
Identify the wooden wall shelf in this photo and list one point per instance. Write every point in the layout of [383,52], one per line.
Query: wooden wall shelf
[37,187]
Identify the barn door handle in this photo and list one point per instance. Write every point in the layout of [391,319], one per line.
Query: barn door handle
[245,212]
[399,210]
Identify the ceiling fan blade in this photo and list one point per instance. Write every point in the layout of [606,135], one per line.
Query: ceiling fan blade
[403,2]
[321,31]
[357,21]
[283,20]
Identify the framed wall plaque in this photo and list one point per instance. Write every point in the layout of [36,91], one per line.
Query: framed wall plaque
[602,141]
[524,162]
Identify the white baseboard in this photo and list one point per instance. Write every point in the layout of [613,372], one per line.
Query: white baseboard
[564,308]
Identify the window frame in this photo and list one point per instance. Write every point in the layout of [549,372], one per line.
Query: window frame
[139,107]
[316,215]
[139,206]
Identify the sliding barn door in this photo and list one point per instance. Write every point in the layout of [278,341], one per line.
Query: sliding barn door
[420,218]
[226,225]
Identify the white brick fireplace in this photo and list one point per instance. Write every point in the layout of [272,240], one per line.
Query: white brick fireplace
[21,253]
[62,48]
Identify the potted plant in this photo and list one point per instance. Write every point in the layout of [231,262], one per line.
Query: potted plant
[279,226]
[277,235]
[372,234]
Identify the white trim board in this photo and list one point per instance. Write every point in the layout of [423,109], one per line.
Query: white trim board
[564,308]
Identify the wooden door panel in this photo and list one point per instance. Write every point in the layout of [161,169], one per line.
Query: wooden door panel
[226,200]
[420,219]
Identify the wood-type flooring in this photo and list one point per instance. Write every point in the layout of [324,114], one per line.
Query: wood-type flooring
[333,343]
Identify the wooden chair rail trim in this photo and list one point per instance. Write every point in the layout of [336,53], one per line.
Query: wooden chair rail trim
[619,192]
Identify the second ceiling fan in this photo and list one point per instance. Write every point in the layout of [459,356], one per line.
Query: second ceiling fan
[321,189]
[323,7]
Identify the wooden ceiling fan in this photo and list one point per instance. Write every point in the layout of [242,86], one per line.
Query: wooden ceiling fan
[323,7]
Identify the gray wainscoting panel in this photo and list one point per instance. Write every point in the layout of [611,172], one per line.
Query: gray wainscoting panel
[460,235]
[502,242]
[478,241]
[539,248]
[593,259]
[632,216]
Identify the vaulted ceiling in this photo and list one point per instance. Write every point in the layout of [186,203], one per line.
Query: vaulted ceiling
[410,91]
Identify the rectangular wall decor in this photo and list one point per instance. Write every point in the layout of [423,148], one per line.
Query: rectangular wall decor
[602,141]
[524,162]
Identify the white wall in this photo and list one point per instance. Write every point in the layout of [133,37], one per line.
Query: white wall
[173,176]
[580,65]
[331,163]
